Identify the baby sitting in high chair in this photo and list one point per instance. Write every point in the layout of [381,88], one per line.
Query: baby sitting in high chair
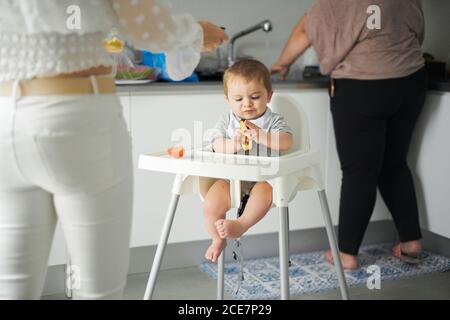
[251,128]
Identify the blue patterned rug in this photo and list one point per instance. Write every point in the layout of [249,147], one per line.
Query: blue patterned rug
[311,273]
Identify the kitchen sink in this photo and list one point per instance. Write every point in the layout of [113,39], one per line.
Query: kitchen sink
[210,77]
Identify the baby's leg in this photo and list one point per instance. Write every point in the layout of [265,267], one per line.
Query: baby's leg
[217,203]
[257,207]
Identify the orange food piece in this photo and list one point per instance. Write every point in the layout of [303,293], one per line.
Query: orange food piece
[246,143]
[176,152]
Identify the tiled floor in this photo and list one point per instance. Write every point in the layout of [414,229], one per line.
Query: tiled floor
[192,284]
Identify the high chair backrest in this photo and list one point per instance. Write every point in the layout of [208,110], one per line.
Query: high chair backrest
[295,117]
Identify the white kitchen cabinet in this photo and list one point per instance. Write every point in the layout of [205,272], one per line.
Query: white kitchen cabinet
[125,101]
[430,156]
[156,117]
[153,118]
[58,253]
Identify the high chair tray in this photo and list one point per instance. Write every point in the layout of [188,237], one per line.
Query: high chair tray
[229,166]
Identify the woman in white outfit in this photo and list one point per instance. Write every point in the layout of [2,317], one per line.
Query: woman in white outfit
[65,151]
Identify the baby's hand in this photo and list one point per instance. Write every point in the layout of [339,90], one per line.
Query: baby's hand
[237,135]
[255,133]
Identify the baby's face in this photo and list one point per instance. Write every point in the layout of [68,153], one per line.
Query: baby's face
[248,100]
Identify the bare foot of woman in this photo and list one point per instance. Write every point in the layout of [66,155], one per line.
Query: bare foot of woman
[408,251]
[215,249]
[349,262]
[229,228]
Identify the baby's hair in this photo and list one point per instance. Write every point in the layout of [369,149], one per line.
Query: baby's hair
[250,70]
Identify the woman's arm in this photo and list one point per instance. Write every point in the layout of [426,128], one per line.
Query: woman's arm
[151,26]
[296,45]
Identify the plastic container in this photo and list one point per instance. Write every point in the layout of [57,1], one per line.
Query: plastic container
[158,60]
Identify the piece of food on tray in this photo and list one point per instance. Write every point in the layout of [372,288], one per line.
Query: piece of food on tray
[176,152]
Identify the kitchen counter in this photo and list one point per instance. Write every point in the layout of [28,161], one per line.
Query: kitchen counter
[216,86]
[210,86]
[439,86]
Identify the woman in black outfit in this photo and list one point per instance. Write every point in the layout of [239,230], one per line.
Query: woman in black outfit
[377,92]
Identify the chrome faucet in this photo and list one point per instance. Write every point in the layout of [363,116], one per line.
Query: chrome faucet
[265,25]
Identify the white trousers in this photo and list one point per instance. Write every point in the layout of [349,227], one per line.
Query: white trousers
[65,158]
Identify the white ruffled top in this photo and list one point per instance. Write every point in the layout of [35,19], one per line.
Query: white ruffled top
[41,37]
[27,56]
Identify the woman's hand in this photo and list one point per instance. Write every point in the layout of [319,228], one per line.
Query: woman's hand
[282,70]
[213,35]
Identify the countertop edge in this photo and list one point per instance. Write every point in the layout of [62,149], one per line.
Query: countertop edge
[210,87]
[215,87]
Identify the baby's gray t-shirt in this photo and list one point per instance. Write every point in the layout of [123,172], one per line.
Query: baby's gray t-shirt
[270,121]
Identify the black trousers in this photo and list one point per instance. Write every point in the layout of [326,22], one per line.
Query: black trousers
[373,122]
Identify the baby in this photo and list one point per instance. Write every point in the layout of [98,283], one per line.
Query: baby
[248,90]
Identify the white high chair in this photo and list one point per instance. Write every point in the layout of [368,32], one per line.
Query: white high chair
[292,172]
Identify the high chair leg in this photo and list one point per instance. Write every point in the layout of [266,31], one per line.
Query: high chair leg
[284,253]
[161,246]
[288,240]
[333,244]
[220,275]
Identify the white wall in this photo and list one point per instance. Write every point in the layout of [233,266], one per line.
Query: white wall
[237,15]
[437,37]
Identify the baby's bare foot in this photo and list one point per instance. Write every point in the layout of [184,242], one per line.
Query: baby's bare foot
[349,262]
[229,228]
[215,249]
